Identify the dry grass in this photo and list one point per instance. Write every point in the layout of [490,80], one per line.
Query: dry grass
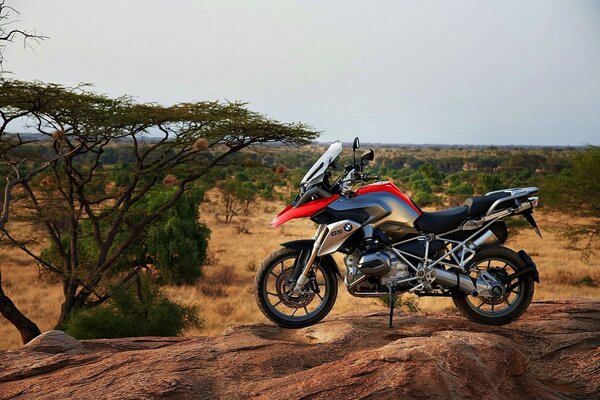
[224,294]
[35,297]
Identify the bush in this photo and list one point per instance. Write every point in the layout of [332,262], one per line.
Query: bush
[213,290]
[178,241]
[403,301]
[425,199]
[586,281]
[132,311]
[225,276]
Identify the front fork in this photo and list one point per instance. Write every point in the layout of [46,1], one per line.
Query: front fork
[303,278]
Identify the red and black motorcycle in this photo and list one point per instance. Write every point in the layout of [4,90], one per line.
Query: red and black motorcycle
[391,246]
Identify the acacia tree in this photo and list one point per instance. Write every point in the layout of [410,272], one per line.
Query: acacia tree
[181,143]
[237,197]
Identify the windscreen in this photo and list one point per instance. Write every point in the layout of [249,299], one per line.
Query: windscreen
[318,168]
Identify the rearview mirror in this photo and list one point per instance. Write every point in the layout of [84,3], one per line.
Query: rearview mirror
[356,144]
[368,155]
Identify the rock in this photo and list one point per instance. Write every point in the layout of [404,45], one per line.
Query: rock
[552,352]
[56,342]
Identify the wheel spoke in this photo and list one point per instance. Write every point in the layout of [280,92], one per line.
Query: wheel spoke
[306,310]
[281,267]
[506,300]
[274,274]
[276,304]
[273,294]
[295,311]
[492,307]
[480,304]
[318,294]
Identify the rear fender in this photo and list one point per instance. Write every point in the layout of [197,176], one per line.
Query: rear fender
[531,267]
[305,246]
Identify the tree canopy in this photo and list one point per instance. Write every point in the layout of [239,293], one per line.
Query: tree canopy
[90,219]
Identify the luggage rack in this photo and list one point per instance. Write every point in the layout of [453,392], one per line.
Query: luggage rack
[528,203]
[513,193]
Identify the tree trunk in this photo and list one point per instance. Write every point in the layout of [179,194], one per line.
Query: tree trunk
[73,301]
[24,325]
[69,291]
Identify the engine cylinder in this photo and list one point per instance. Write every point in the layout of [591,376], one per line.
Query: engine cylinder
[375,263]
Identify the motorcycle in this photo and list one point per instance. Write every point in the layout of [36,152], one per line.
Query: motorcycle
[391,246]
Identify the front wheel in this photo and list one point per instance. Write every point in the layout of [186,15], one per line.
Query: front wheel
[500,262]
[277,300]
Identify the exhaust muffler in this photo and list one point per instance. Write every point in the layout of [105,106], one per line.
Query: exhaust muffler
[485,284]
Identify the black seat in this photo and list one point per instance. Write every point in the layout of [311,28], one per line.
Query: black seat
[442,221]
[480,204]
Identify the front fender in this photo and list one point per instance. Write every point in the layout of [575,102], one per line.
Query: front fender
[305,210]
[305,246]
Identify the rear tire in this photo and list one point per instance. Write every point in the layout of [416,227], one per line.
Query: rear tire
[270,311]
[525,288]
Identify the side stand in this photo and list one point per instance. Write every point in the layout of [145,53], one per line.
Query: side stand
[392,301]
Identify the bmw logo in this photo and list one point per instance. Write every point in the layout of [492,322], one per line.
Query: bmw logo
[347,227]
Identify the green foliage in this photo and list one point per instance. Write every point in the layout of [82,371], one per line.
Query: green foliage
[460,188]
[488,183]
[132,311]
[402,301]
[238,196]
[576,192]
[425,199]
[432,174]
[421,185]
[586,281]
[177,242]
[120,173]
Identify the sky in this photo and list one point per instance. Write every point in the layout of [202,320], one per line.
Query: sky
[423,72]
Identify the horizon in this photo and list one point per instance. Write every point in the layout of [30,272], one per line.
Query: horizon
[365,145]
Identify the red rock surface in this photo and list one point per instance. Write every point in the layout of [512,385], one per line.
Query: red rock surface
[552,352]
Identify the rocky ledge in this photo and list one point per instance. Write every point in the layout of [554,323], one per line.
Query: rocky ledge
[552,352]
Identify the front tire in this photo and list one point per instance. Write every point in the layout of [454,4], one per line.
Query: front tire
[280,305]
[506,308]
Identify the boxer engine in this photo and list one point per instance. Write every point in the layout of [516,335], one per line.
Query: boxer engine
[372,271]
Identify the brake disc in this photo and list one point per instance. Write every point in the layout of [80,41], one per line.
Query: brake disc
[287,295]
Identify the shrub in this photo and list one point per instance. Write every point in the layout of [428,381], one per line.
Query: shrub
[132,311]
[178,241]
[586,281]
[251,266]
[224,309]
[225,276]
[213,290]
[407,302]
[425,199]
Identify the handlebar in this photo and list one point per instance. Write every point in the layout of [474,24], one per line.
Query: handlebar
[353,174]
[366,177]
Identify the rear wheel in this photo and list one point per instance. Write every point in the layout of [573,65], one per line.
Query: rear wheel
[500,262]
[273,289]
